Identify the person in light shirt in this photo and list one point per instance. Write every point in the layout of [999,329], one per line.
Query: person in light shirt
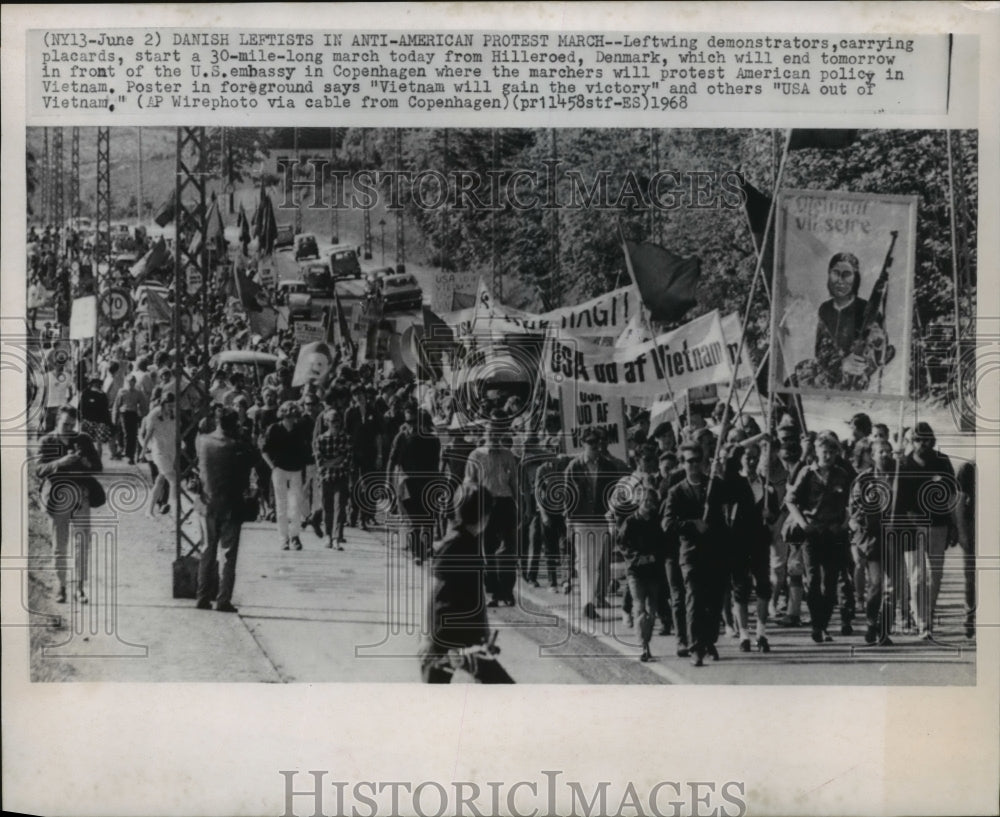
[494,467]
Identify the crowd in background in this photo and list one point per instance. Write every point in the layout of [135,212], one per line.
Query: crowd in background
[705,536]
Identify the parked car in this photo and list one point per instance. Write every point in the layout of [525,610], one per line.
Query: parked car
[306,246]
[285,236]
[344,262]
[401,292]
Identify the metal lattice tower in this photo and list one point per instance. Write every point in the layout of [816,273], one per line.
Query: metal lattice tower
[140,193]
[367,212]
[400,229]
[334,211]
[74,178]
[190,333]
[102,247]
[58,190]
[296,173]
[495,273]
[556,287]
[45,177]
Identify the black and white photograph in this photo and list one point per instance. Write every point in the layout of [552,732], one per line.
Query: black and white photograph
[303,484]
[375,389]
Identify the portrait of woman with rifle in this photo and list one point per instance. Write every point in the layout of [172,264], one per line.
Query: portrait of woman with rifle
[852,346]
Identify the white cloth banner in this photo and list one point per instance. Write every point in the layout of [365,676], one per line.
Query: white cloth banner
[605,315]
[695,354]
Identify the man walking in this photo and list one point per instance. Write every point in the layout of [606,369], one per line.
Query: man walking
[590,478]
[67,462]
[692,539]
[287,451]
[224,464]
[817,503]
[130,406]
[495,468]
[927,493]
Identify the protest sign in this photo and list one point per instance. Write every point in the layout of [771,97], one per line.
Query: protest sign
[309,331]
[692,355]
[843,293]
[83,318]
[590,410]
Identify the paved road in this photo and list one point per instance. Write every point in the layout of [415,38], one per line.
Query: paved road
[321,615]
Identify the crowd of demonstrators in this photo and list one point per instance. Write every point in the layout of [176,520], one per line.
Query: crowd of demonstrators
[707,536]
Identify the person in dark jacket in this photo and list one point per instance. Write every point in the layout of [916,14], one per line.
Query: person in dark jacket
[67,462]
[642,542]
[927,493]
[817,504]
[95,413]
[224,464]
[869,516]
[287,451]
[750,508]
[416,452]
[693,539]
[361,424]
[459,630]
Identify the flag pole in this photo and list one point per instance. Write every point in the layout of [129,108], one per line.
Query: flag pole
[746,321]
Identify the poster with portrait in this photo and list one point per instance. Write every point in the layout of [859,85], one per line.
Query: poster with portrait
[843,293]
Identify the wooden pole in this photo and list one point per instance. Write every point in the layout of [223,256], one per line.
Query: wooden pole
[746,320]
[954,266]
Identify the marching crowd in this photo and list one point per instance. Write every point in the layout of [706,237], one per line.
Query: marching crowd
[703,535]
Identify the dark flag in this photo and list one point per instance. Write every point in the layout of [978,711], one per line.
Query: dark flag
[265,226]
[262,317]
[345,330]
[215,231]
[157,308]
[667,283]
[336,324]
[153,260]
[821,139]
[756,206]
[243,224]
[165,214]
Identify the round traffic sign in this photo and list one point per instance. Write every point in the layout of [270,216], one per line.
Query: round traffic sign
[116,305]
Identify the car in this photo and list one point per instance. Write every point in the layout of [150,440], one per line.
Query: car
[344,262]
[288,287]
[306,246]
[285,236]
[400,292]
[318,278]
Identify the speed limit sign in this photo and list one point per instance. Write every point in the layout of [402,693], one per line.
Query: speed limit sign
[116,305]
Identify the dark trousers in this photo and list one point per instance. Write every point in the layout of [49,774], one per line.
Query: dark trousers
[357,512]
[335,495]
[545,539]
[969,565]
[419,527]
[751,570]
[644,587]
[823,560]
[130,427]
[500,549]
[221,531]
[663,602]
[678,598]
[703,590]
